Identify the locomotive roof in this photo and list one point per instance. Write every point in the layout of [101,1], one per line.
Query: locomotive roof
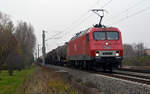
[87,30]
[80,33]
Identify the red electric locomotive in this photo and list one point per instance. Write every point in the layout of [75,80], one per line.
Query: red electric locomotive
[96,47]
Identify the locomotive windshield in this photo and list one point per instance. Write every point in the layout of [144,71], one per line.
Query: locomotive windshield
[107,35]
[99,35]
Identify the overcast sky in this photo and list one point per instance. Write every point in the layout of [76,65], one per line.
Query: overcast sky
[71,16]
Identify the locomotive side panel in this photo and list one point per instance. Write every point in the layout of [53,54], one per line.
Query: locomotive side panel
[79,48]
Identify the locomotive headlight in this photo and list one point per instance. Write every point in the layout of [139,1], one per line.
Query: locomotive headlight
[97,53]
[117,54]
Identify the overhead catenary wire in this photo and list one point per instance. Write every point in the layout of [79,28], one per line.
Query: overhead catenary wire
[97,2]
[126,10]
[106,4]
[134,14]
[73,23]
[64,31]
[83,20]
[82,16]
[54,36]
[70,28]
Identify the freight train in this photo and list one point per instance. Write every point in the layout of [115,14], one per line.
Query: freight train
[96,47]
[93,48]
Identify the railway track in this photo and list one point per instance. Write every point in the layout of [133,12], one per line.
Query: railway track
[133,78]
[117,81]
[142,78]
[135,70]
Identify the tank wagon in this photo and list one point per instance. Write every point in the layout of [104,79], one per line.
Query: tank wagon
[57,56]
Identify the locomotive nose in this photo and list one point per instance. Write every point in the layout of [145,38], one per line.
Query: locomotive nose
[108,43]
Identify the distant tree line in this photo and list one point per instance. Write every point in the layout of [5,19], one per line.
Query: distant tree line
[133,50]
[17,44]
[135,55]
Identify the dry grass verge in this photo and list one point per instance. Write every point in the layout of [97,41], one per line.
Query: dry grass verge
[51,81]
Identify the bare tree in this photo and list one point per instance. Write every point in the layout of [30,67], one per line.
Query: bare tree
[16,48]
[8,43]
[128,51]
[139,49]
[25,36]
[7,40]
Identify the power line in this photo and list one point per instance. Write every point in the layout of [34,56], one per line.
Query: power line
[54,36]
[126,10]
[94,4]
[107,4]
[67,28]
[78,19]
[134,14]
[70,28]
[97,2]
[83,20]
[82,16]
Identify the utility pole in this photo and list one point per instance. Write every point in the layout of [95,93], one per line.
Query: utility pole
[35,56]
[43,48]
[38,50]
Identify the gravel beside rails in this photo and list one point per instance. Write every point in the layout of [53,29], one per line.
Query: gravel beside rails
[105,84]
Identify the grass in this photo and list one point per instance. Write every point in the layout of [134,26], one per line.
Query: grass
[10,84]
[49,81]
[137,61]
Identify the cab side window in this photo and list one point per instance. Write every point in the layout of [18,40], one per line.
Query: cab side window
[87,37]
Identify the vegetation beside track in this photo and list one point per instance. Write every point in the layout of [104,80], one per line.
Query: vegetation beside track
[137,61]
[11,84]
[51,81]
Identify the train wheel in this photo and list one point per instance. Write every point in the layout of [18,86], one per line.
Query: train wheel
[76,64]
[104,68]
[89,65]
[119,65]
[80,64]
[110,67]
[67,64]
[84,64]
